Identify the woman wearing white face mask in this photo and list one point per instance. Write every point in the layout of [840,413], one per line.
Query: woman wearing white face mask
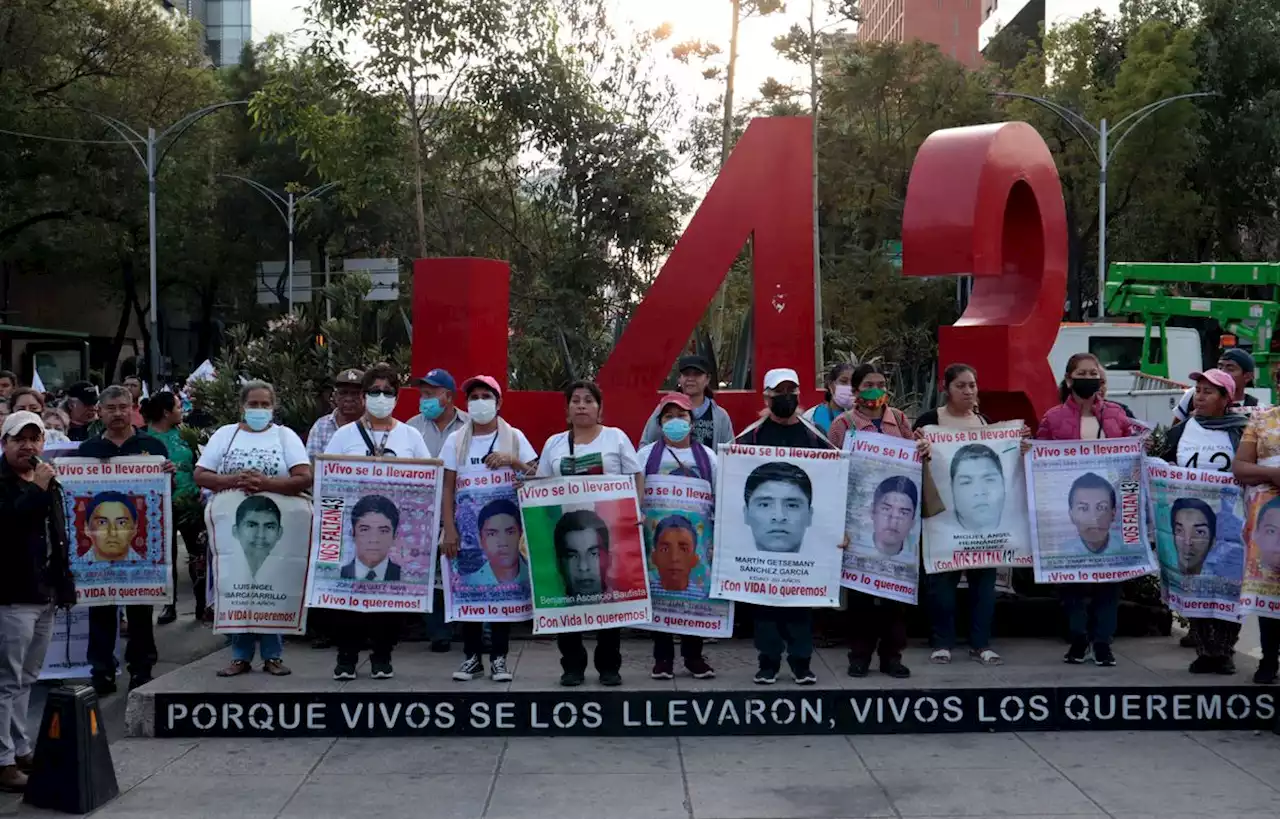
[376,433]
[255,455]
[839,397]
[490,449]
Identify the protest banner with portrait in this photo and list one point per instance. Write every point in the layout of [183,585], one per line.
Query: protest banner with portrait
[375,533]
[885,473]
[120,523]
[68,654]
[1260,590]
[679,524]
[975,505]
[261,550]
[1199,525]
[1089,518]
[780,520]
[488,580]
[586,553]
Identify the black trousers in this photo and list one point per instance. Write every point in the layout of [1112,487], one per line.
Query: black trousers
[573,654]
[876,625]
[352,630]
[1269,636]
[664,647]
[473,639]
[139,648]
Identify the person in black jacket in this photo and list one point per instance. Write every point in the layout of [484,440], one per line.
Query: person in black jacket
[35,577]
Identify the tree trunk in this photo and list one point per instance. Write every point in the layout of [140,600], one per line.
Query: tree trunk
[727,133]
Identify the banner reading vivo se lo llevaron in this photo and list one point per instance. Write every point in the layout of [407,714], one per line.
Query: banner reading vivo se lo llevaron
[1199,522]
[679,523]
[586,553]
[261,548]
[1088,511]
[377,523]
[780,519]
[975,514]
[883,517]
[488,580]
[120,522]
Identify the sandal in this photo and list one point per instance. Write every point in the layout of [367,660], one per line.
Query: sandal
[236,668]
[276,668]
[986,656]
[940,656]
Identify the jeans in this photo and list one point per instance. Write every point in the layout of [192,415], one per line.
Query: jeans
[25,631]
[982,604]
[271,646]
[1092,610]
[139,650]
[473,639]
[608,657]
[664,647]
[777,628]
[352,629]
[876,625]
[1269,637]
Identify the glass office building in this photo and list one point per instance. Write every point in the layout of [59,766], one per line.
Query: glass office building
[227,27]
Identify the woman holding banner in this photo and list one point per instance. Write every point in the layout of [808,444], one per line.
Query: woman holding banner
[255,455]
[959,410]
[163,414]
[588,447]
[1208,440]
[676,453]
[491,448]
[1084,415]
[1257,466]
[875,620]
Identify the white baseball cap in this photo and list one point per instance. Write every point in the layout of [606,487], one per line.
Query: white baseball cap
[19,421]
[780,376]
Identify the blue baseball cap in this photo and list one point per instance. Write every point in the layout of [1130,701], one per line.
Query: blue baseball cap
[438,378]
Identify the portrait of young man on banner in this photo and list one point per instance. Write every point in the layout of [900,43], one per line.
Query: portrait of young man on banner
[261,545]
[1260,590]
[586,553]
[885,474]
[979,517]
[489,579]
[1089,522]
[780,522]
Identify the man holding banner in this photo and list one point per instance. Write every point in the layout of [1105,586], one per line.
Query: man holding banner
[486,578]
[120,439]
[679,514]
[1257,466]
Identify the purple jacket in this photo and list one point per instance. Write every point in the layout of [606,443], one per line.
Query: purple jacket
[1062,423]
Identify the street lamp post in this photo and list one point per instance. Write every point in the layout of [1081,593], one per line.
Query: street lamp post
[285,205]
[155,153]
[1102,153]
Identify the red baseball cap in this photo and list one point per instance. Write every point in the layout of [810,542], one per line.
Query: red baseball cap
[487,380]
[678,398]
[1218,378]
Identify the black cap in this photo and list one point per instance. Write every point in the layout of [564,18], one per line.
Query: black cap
[694,362]
[1239,357]
[83,391]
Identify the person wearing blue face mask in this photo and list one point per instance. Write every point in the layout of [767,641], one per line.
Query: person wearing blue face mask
[437,416]
[255,455]
[677,453]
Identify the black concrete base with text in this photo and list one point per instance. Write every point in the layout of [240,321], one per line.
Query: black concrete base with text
[744,712]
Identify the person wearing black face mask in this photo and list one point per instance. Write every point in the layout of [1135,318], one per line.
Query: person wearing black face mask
[779,628]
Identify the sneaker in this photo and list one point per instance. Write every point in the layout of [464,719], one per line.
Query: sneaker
[1204,665]
[104,685]
[1102,655]
[610,678]
[1266,673]
[498,669]
[662,670]
[472,667]
[766,676]
[700,669]
[804,676]
[344,671]
[1078,653]
[382,670]
[12,780]
[167,615]
[276,668]
[859,668]
[895,669]
[571,679]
